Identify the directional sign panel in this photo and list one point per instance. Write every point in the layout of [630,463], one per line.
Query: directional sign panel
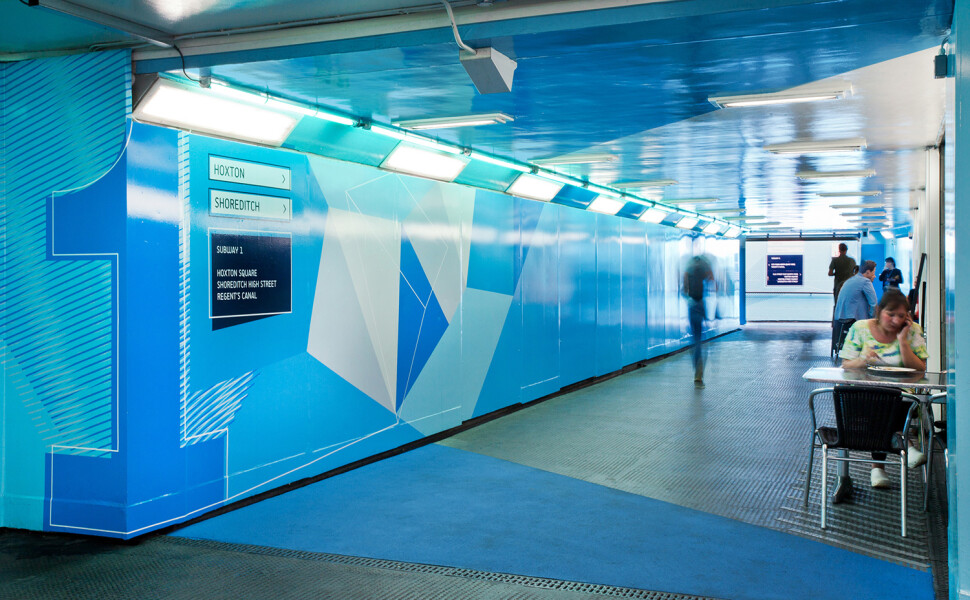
[249,173]
[224,203]
[785,269]
[251,274]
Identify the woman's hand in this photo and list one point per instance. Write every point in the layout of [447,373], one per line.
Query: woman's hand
[903,335]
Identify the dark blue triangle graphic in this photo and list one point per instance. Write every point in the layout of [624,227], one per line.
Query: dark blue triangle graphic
[421,322]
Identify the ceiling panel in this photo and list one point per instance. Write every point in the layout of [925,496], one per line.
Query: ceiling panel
[628,78]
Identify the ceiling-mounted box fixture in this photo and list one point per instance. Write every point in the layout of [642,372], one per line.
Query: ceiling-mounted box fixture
[490,70]
[835,174]
[191,108]
[818,147]
[782,97]
[577,159]
[534,188]
[456,121]
[647,183]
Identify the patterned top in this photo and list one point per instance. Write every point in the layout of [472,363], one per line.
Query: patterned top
[860,339]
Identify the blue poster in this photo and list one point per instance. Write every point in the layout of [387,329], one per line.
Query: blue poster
[785,269]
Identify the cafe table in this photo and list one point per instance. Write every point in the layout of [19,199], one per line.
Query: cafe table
[921,383]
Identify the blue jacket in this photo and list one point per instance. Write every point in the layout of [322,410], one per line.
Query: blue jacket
[857,299]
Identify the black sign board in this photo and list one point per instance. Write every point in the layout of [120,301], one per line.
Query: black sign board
[251,275]
[785,269]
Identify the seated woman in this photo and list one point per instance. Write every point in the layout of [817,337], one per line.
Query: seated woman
[889,339]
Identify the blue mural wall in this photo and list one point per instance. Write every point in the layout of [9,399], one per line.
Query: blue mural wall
[191,321]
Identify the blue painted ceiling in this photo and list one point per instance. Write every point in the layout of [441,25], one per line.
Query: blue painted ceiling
[630,79]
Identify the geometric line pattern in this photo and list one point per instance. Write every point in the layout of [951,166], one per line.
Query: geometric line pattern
[57,314]
[209,413]
[184,272]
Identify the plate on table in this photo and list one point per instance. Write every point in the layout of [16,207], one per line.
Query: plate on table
[884,370]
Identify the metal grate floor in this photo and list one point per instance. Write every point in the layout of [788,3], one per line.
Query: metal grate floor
[49,566]
[737,448]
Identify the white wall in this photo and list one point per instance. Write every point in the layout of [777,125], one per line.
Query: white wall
[810,301]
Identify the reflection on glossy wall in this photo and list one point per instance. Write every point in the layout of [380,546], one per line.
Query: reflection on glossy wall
[353,311]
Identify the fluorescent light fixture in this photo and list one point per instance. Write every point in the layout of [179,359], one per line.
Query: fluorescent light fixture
[691,200]
[817,147]
[265,100]
[834,174]
[860,205]
[766,223]
[887,234]
[713,228]
[687,222]
[412,138]
[721,211]
[848,194]
[647,183]
[501,162]
[872,213]
[476,120]
[558,178]
[577,159]
[606,205]
[746,218]
[654,215]
[603,190]
[732,232]
[783,97]
[194,109]
[425,163]
[534,188]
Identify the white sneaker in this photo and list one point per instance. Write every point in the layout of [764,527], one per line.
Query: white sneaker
[878,478]
[915,458]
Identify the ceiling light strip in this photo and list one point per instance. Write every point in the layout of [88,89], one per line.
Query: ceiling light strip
[835,174]
[473,120]
[818,146]
[277,104]
[647,183]
[848,194]
[577,159]
[781,97]
[500,162]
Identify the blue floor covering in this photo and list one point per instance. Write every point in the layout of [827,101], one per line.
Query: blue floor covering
[443,506]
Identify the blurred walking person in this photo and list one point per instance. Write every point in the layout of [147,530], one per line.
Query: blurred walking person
[696,274]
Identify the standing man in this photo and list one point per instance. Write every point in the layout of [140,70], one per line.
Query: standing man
[857,300]
[890,277]
[697,272]
[841,268]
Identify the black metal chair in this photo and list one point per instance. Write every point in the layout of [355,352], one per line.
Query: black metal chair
[933,425]
[867,419]
[840,328]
